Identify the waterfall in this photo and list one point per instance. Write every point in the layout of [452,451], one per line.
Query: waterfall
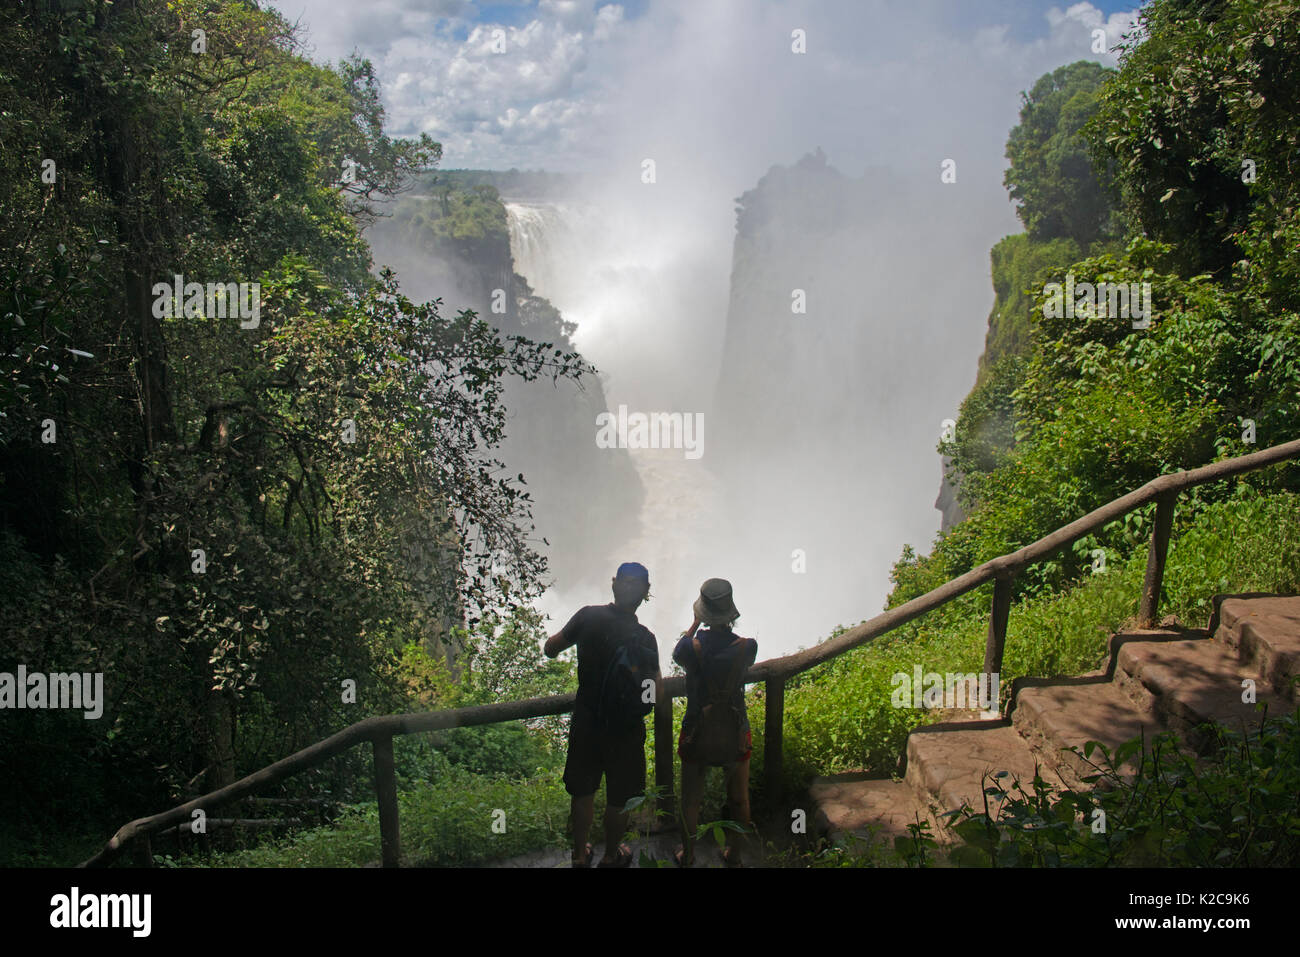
[840,362]
[619,291]
[535,229]
[820,419]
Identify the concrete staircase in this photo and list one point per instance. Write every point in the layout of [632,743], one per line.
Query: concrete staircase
[1166,679]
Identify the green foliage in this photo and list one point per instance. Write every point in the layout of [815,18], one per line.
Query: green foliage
[1198,96]
[504,661]
[919,846]
[323,556]
[504,749]
[1020,265]
[468,771]
[445,823]
[426,678]
[1066,211]
[1200,91]
[1240,810]
[1101,408]
[1051,174]
[513,181]
[988,418]
[467,223]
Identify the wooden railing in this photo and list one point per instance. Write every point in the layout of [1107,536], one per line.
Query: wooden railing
[774,672]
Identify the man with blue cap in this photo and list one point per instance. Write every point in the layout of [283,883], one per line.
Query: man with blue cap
[618,684]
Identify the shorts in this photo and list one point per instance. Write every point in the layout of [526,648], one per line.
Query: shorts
[620,757]
[749,747]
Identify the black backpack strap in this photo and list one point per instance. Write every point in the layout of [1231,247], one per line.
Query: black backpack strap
[715,692]
[704,672]
[733,678]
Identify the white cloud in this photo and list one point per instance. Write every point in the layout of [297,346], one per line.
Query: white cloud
[579,82]
[608,18]
[488,90]
[1073,27]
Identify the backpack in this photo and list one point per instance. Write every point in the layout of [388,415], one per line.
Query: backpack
[718,735]
[622,705]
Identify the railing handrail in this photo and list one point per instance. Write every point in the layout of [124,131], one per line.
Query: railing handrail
[380,729]
[1172,482]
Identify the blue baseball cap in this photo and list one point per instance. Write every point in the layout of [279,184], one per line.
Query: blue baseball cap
[633,570]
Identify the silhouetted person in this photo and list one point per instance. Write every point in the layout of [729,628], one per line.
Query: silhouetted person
[715,730]
[618,683]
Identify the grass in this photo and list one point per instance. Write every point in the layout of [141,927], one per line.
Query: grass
[460,819]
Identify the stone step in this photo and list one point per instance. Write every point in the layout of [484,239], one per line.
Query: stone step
[1166,679]
[1121,638]
[1062,714]
[1190,682]
[872,809]
[947,765]
[1265,632]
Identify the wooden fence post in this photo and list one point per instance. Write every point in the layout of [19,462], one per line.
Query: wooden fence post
[1156,555]
[664,751]
[998,617]
[773,730]
[143,851]
[386,793]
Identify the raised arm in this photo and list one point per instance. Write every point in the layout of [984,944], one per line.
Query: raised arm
[680,653]
[556,643]
[566,637]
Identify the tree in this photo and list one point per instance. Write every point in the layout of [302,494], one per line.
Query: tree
[235,516]
[1208,88]
[1051,176]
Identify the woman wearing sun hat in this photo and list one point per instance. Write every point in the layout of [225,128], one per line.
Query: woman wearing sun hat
[715,729]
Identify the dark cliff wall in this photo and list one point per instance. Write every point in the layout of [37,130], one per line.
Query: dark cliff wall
[834,388]
[455,245]
[949,508]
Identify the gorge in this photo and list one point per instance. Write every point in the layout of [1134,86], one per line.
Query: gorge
[837,405]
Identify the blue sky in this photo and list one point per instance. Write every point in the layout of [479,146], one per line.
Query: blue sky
[1026,16]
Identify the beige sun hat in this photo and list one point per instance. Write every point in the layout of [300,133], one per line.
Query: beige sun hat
[714,606]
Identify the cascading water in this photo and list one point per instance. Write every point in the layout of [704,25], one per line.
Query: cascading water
[536,231]
[629,307]
[821,412]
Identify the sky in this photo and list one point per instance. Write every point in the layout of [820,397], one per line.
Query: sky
[568,84]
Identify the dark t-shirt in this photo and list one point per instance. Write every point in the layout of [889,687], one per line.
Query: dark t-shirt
[720,656]
[598,630]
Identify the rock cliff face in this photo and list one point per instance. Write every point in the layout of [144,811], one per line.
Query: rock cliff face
[949,508]
[836,374]
[586,500]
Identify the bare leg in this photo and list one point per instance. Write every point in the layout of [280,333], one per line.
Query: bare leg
[615,828]
[692,795]
[581,811]
[738,801]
